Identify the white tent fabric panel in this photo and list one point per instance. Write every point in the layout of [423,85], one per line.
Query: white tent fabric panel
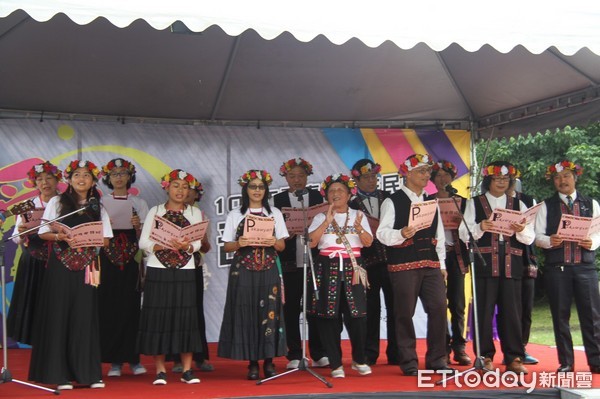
[537,25]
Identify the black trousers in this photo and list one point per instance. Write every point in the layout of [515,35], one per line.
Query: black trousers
[579,282]
[455,292]
[379,279]
[292,309]
[506,294]
[330,333]
[527,297]
[428,285]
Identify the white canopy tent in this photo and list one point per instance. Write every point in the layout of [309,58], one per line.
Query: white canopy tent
[511,67]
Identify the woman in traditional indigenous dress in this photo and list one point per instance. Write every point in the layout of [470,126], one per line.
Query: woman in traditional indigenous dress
[253,325]
[169,320]
[341,281]
[34,255]
[66,337]
[119,293]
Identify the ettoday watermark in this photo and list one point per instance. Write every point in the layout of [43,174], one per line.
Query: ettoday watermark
[508,379]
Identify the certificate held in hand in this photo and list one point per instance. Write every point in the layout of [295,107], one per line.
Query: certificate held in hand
[257,229]
[164,232]
[577,228]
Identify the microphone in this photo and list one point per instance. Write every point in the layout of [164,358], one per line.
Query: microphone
[300,193]
[93,204]
[451,190]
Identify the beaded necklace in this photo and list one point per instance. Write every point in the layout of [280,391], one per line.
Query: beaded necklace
[339,240]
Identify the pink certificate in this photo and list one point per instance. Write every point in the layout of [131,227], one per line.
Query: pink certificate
[294,217]
[257,229]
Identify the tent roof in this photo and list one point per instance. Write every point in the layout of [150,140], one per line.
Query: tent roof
[315,63]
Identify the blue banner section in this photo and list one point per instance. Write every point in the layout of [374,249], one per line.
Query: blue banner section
[349,145]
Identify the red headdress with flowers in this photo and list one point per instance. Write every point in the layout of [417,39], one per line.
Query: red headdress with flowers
[366,168]
[562,165]
[338,178]
[119,163]
[446,166]
[45,167]
[292,163]
[500,170]
[89,165]
[255,174]
[178,174]
[414,161]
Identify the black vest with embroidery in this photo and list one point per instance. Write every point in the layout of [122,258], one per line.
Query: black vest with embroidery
[489,245]
[568,253]
[418,251]
[376,253]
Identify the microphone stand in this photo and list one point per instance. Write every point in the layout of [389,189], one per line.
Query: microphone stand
[303,365]
[6,375]
[479,360]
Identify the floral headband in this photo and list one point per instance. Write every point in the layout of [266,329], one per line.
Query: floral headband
[413,162]
[45,167]
[562,165]
[366,168]
[199,189]
[178,174]
[119,163]
[292,163]
[255,174]
[338,178]
[89,165]
[446,166]
[500,170]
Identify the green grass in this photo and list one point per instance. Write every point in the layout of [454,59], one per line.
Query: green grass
[541,325]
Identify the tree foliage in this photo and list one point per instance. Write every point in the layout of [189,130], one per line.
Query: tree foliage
[531,154]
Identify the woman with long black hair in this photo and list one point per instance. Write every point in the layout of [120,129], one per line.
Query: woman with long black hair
[66,338]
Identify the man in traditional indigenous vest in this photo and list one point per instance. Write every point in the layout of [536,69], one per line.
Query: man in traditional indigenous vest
[296,172]
[569,270]
[530,270]
[498,282]
[457,263]
[369,200]
[416,262]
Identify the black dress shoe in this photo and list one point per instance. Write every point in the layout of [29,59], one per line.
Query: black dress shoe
[269,369]
[253,372]
[565,369]
[410,372]
[595,369]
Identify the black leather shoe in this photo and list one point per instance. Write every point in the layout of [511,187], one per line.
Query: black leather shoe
[269,369]
[253,372]
[595,369]
[411,372]
[565,369]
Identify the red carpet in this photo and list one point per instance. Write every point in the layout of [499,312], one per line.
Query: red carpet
[228,380]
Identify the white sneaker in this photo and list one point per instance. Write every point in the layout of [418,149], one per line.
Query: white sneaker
[293,364]
[115,370]
[65,386]
[338,373]
[137,369]
[363,369]
[97,384]
[322,362]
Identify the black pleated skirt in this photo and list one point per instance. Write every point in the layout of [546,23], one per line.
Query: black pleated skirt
[253,325]
[66,339]
[169,319]
[26,289]
[119,311]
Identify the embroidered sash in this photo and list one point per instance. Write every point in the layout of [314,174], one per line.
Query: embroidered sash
[359,275]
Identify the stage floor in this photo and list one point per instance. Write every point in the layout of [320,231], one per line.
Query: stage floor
[229,380]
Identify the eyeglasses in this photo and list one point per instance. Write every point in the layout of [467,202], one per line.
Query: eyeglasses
[423,171]
[119,174]
[259,187]
[501,178]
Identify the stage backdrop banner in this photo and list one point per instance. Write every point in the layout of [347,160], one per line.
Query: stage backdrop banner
[217,156]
